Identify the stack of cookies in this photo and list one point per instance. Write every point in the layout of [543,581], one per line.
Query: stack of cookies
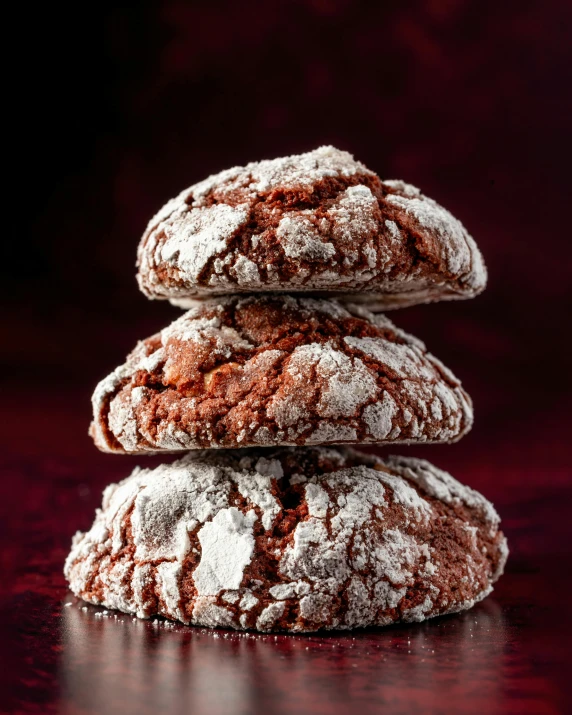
[283,267]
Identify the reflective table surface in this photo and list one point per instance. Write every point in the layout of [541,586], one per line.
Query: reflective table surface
[510,654]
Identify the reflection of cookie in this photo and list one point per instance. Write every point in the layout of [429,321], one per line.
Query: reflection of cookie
[317,222]
[289,539]
[269,370]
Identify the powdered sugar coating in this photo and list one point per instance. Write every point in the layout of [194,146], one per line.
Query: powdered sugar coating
[272,370]
[443,486]
[352,543]
[315,222]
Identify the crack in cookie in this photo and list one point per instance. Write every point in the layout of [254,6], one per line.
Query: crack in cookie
[289,539]
[271,370]
[317,222]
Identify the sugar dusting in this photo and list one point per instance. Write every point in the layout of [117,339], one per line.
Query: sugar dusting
[347,384]
[227,544]
[456,246]
[363,543]
[352,241]
[385,388]
[289,172]
[441,485]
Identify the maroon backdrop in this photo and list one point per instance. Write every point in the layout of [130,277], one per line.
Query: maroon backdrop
[123,108]
[114,110]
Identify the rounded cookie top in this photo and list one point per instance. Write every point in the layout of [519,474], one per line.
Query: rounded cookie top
[289,539]
[274,370]
[319,222]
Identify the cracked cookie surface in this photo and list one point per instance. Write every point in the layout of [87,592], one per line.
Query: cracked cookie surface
[276,370]
[289,539]
[319,222]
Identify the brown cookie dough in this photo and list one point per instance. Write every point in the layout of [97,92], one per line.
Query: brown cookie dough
[275,370]
[289,539]
[319,222]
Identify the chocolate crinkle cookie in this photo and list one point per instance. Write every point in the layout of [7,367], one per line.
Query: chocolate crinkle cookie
[317,222]
[289,540]
[277,370]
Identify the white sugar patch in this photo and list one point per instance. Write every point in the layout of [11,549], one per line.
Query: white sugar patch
[194,237]
[441,485]
[289,172]
[404,360]
[245,271]
[207,613]
[168,578]
[451,233]
[122,420]
[299,239]
[173,500]
[379,416]
[327,433]
[354,220]
[227,544]
[269,468]
[248,601]
[317,500]
[270,615]
[345,384]
[257,488]
[393,229]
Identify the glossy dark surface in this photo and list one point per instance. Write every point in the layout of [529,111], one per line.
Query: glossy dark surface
[509,654]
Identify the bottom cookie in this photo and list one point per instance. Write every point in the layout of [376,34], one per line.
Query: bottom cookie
[292,539]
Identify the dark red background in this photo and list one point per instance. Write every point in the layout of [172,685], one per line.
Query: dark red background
[112,110]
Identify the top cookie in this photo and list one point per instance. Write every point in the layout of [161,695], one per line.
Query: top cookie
[319,222]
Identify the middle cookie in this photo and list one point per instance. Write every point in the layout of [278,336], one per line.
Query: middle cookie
[277,370]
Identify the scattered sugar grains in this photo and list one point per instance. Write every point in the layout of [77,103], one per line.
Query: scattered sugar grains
[237,539]
[275,370]
[317,221]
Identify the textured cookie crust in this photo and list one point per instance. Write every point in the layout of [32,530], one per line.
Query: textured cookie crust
[289,539]
[276,370]
[319,222]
